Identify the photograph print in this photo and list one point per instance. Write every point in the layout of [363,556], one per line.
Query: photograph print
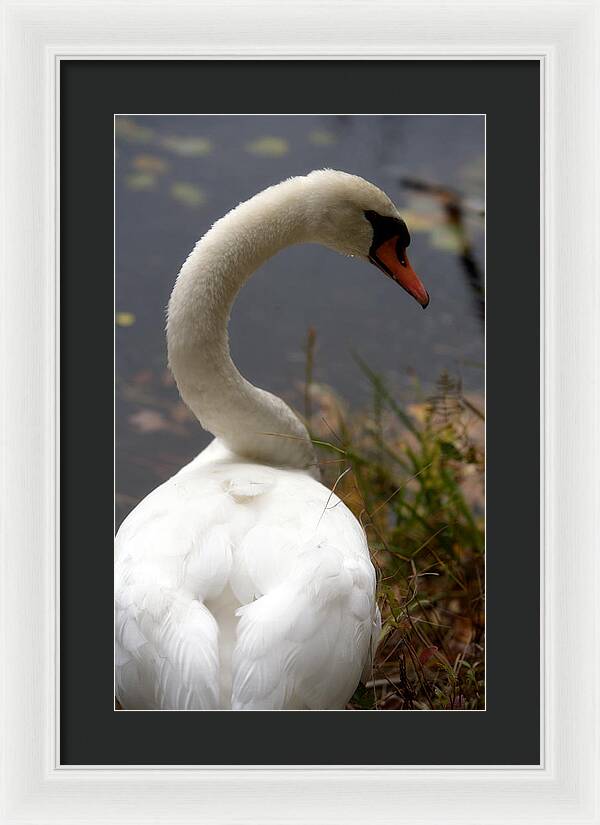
[300,412]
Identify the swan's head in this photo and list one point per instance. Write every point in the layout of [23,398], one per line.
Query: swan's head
[356,218]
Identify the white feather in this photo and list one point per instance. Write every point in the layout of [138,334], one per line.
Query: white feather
[288,574]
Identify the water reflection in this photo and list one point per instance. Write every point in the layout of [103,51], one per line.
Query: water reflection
[176,175]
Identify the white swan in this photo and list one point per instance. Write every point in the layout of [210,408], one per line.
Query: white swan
[242,582]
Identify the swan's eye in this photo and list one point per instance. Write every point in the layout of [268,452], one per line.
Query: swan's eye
[385,228]
[401,252]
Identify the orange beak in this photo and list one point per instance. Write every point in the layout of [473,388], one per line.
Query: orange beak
[394,262]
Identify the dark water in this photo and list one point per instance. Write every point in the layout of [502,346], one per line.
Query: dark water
[176,175]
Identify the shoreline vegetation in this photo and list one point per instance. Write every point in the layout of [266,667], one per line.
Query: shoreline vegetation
[413,474]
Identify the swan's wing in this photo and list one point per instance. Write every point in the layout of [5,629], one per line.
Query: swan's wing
[166,639]
[304,643]
[166,659]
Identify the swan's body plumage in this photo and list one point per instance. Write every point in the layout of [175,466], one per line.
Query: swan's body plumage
[242,582]
[242,586]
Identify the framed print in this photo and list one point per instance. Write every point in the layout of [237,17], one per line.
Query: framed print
[462,439]
[145,142]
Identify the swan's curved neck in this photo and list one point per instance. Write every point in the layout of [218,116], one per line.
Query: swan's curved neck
[251,422]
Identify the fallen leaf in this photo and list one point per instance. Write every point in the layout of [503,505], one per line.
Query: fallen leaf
[148,421]
[427,653]
[143,377]
[149,163]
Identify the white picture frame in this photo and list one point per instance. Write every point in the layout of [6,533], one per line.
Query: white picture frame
[565,37]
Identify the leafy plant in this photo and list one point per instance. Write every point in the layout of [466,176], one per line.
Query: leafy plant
[414,476]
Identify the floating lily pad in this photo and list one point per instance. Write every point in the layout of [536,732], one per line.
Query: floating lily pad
[268,147]
[191,147]
[132,131]
[140,181]
[320,137]
[188,194]
[125,319]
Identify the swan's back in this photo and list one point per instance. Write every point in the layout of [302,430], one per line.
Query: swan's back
[245,586]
